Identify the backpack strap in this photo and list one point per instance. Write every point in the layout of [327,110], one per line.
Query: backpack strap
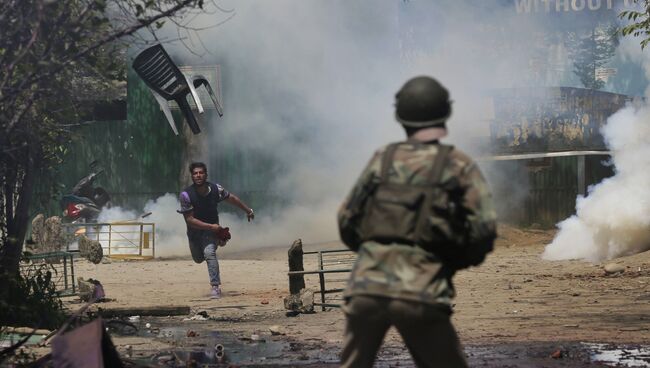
[434,178]
[439,163]
[387,160]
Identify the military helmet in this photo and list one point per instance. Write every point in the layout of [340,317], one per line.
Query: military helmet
[422,102]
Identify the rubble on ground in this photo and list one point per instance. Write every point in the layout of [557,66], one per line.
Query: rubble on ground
[90,290]
[303,302]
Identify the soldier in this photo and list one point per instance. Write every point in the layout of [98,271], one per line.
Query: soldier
[420,211]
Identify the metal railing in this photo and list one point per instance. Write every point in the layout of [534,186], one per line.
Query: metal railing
[59,264]
[328,262]
[128,240]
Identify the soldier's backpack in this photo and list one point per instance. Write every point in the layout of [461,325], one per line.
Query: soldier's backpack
[427,215]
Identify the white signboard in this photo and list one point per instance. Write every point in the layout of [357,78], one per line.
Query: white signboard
[603,74]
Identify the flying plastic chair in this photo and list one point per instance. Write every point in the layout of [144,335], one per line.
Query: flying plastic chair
[168,83]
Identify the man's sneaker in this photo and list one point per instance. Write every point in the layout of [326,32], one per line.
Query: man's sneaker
[216,292]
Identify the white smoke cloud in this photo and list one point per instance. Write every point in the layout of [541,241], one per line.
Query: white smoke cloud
[311,85]
[309,224]
[170,238]
[614,219]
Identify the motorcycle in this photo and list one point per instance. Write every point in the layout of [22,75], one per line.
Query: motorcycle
[86,201]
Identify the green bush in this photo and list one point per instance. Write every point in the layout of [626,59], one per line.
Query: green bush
[30,300]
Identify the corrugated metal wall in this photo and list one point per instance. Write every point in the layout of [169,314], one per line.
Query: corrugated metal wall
[548,188]
[141,156]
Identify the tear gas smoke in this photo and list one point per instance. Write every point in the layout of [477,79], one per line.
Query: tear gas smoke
[170,227]
[171,240]
[614,219]
[311,85]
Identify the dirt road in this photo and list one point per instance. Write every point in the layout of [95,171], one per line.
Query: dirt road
[515,310]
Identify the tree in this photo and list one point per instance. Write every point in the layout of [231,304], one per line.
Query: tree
[50,51]
[591,52]
[640,26]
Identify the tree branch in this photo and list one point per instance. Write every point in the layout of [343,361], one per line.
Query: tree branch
[20,113]
[112,37]
[29,45]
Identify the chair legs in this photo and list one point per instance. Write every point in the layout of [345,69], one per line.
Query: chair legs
[189,115]
[195,95]
[200,80]
[164,106]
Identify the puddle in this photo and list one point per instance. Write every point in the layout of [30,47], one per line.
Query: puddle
[632,356]
[194,345]
[205,348]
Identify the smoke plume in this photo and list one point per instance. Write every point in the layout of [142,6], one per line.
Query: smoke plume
[170,239]
[614,219]
[310,86]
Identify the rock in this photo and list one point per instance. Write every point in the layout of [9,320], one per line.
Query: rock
[53,237]
[196,317]
[612,268]
[47,234]
[264,301]
[90,290]
[38,229]
[302,302]
[90,249]
[203,314]
[277,330]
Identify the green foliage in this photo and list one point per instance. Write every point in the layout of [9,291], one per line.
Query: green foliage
[640,23]
[591,52]
[30,300]
[56,57]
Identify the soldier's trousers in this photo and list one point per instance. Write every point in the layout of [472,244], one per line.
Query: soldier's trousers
[426,329]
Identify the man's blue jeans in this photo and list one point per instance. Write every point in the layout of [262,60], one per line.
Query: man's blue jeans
[210,252]
[206,241]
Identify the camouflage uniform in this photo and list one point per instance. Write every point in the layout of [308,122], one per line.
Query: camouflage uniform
[404,285]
